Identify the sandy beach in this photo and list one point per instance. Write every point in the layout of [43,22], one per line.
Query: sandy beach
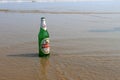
[22,62]
[83,46]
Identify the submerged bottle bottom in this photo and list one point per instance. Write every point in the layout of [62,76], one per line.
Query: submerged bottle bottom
[44,55]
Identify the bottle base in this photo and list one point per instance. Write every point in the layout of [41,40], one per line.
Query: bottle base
[44,55]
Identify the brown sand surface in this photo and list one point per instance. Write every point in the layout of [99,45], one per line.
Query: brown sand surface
[21,61]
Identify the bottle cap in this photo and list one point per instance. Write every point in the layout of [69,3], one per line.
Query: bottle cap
[42,17]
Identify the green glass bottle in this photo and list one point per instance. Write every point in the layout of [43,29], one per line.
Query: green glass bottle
[43,39]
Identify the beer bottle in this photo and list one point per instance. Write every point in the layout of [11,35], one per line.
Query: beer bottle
[43,39]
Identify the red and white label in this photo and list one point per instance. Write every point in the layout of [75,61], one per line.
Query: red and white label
[45,47]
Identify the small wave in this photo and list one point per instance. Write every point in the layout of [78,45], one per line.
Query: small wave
[7,1]
[54,12]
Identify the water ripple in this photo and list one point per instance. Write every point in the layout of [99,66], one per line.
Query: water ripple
[56,12]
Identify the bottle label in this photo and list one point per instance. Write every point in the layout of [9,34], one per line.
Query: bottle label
[45,48]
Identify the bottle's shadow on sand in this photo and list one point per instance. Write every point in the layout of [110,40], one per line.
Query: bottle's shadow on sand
[24,55]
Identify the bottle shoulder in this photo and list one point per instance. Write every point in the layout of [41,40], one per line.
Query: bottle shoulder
[43,33]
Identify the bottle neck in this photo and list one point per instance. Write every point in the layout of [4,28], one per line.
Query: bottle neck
[43,24]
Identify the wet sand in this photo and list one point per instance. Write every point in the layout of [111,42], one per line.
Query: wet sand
[21,62]
[83,46]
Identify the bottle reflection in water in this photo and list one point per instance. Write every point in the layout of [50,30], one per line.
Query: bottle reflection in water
[44,65]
